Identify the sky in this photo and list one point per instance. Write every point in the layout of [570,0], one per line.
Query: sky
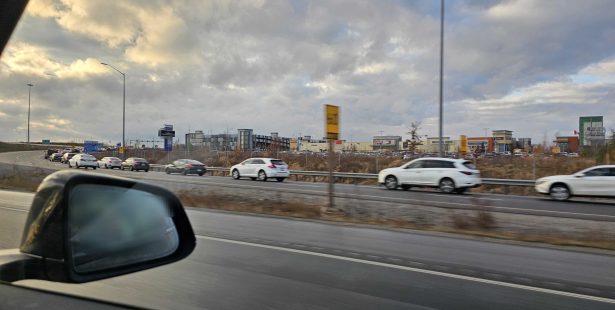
[530,66]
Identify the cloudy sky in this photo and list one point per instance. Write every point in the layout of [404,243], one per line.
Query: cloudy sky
[531,66]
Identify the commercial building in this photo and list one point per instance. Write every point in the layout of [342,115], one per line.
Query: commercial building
[386,143]
[430,145]
[569,144]
[591,130]
[481,145]
[524,144]
[215,142]
[503,141]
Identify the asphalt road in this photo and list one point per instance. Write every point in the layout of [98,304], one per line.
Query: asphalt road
[578,207]
[254,262]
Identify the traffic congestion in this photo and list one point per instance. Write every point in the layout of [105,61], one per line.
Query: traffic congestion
[446,175]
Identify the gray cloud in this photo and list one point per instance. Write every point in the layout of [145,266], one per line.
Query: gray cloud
[271,65]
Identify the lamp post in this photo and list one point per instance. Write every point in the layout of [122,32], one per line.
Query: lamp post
[29,91]
[440,142]
[123,108]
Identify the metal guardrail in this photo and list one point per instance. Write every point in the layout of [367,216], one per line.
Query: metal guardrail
[372,176]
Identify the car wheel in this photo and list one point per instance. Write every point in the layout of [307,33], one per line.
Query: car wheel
[280,179]
[390,182]
[132,168]
[146,170]
[106,167]
[184,172]
[235,174]
[69,166]
[262,176]
[201,174]
[167,171]
[406,187]
[446,185]
[559,192]
[94,168]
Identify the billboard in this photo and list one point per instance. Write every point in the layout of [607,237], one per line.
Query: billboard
[591,130]
[90,146]
[168,144]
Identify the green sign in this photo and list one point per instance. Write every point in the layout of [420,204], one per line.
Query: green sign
[46,141]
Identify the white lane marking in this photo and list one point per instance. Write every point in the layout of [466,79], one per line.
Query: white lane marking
[431,272]
[14,209]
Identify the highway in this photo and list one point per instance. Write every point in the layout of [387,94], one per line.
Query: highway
[597,209]
[253,262]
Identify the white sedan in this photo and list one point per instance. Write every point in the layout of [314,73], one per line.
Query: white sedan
[261,169]
[110,163]
[83,160]
[597,181]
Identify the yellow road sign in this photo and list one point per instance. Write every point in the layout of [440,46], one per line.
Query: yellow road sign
[121,150]
[332,124]
[463,144]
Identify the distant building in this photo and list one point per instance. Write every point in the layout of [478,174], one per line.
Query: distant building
[245,139]
[591,130]
[503,141]
[481,145]
[569,144]
[524,144]
[386,143]
[431,145]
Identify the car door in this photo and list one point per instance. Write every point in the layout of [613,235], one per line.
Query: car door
[255,166]
[429,173]
[594,182]
[177,165]
[410,174]
[244,167]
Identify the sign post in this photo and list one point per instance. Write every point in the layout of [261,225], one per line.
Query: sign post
[332,130]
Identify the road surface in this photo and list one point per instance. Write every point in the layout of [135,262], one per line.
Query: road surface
[254,262]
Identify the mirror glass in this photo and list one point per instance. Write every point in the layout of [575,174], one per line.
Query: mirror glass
[112,226]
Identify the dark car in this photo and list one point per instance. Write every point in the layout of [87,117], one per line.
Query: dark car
[49,152]
[55,157]
[186,166]
[135,164]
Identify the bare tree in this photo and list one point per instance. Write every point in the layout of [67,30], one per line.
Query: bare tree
[415,139]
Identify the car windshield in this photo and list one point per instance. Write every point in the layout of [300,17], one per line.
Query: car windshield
[404,154]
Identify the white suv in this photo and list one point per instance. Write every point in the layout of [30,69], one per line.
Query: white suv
[596,181]
[83,160]
[261,169]
[448,175]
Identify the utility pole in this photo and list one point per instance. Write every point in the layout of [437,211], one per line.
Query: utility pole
[440,142]
[29,91]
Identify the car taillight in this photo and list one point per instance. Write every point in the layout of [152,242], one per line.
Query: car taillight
[271,166]
[466,172]
[188,166]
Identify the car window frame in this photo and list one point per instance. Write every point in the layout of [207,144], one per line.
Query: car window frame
[608,172]
[418,162]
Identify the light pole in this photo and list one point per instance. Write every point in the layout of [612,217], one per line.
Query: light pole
[29,91]
[440,142]
[123,109]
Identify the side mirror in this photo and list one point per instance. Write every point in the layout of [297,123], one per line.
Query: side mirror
[84,227]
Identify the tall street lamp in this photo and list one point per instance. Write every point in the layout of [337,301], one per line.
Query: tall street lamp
[440,142]
[29,91]
[123,110]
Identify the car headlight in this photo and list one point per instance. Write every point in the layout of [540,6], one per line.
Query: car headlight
[538,182]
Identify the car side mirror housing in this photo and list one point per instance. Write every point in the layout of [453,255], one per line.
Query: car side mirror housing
[84,227]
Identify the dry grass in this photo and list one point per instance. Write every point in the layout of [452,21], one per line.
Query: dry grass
[10,147]
[19,179]
[481,224]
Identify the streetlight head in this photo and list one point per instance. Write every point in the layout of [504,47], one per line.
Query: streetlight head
[30,84]
[102,63]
